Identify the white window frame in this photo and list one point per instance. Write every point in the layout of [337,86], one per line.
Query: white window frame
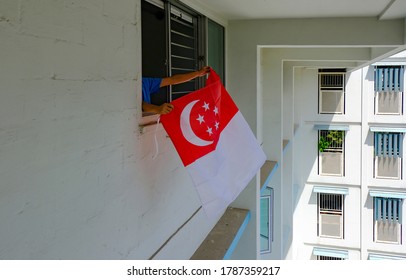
[330,253]
[377,223]
[334,85]
[334,151]
[391,85]
[387,156]
[330,212]
[400,104]
[399,170]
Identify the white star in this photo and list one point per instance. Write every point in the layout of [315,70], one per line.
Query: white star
[209,130]
[216,110]
[217,125]
[200,119]
[206,106]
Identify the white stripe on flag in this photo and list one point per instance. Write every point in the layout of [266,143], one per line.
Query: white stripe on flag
[221,175]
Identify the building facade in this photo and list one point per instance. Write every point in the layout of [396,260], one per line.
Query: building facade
[348,172]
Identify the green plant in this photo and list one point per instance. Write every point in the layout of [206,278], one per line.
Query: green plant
[323,144]
[333,137]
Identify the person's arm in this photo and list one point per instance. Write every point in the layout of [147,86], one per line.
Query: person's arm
[181,78]
[161,109]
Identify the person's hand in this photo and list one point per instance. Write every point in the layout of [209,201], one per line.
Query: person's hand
[165,108]
[205,70]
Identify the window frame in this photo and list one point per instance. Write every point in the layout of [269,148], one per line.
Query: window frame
[270,199]
[399,155]
[376,222]
[170,7]
[321,151]
[327,212]
[336,87]
[385,83]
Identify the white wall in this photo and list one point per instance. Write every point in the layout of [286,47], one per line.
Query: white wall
[77,176]
[305,217]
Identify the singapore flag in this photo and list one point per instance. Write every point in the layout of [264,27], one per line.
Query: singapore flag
[215,144]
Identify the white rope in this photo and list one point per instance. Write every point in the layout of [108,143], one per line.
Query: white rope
[156,140]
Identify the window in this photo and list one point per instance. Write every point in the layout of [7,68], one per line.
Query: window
[330,215]
[380,257]
[388,219]
[216,48]
[325,258]
[331,152]
[388,155]
[331,91]
[389,86]
[175,40]
[266,220]
[330,254]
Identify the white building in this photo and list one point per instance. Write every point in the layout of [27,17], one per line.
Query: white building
[78,178]
[348,176]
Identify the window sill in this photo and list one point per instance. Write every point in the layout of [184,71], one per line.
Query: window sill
[148,121]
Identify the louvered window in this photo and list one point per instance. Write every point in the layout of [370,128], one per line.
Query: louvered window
[387,219]
[389,88]
[388,154]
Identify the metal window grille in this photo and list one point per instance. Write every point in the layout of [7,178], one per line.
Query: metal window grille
[334,139]
[183,51]
[325,258]
[331,203]
[331,80]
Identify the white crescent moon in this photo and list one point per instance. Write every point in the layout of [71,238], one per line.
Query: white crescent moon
[187,128]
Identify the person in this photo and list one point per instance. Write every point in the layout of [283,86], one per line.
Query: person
[152,85]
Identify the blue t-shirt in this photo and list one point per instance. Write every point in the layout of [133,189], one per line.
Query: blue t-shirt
[150,86]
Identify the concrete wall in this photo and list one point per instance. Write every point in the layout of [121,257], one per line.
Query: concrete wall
[77,176]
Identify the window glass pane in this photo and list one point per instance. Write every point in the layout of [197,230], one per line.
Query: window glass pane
[264,224]
[216,48]
[266,220]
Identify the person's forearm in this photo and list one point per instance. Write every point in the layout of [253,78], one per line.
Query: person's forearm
[180,78]
[150,108]
[161,109]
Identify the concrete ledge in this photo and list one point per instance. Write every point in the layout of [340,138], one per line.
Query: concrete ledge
[222,240]
[267,170]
